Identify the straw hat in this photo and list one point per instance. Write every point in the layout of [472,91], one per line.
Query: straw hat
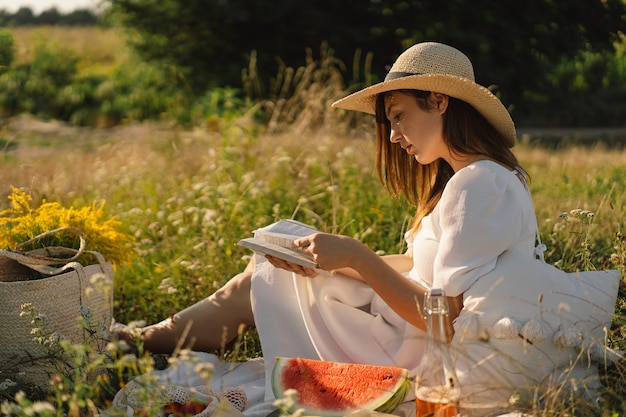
[432,66]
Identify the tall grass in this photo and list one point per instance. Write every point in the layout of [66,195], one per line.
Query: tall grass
[188,195]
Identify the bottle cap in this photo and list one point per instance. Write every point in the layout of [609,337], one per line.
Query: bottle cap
[435,291]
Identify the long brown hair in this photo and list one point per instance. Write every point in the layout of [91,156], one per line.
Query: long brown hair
[465,131]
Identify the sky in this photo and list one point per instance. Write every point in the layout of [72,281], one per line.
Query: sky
[38,6]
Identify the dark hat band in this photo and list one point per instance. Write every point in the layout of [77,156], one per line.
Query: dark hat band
[395,75]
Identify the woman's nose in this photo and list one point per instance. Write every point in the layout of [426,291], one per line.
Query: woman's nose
[395,136]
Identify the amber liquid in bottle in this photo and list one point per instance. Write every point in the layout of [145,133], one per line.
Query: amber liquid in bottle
[431,403]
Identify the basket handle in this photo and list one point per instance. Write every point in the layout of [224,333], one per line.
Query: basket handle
[31,259]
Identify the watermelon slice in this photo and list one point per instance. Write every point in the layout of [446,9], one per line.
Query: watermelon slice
[335,389]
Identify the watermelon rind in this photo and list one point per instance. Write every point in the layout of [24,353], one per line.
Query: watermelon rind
[385,403]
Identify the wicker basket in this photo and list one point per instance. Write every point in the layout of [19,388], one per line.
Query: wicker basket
[67,292]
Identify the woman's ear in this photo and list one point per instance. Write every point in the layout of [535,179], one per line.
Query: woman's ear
[441,102]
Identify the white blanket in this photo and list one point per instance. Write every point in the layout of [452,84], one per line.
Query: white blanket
[249,376]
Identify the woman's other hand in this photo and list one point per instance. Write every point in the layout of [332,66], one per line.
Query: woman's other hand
[291,267]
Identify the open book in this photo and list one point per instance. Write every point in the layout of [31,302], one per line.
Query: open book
[277,239]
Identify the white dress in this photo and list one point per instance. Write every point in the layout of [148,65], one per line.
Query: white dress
[484,210]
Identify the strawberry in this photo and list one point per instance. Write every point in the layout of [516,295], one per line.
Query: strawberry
[188,409]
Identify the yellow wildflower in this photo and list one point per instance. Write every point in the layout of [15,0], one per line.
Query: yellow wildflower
[21,222]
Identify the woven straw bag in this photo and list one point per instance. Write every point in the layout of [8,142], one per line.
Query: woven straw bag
[67,292]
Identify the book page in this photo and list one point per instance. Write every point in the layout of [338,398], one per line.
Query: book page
[286,241]
[277,240]
[289,228]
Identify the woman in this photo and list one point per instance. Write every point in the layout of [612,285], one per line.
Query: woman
[443,143]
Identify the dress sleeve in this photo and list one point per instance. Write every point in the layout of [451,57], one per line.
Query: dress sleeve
[480,217]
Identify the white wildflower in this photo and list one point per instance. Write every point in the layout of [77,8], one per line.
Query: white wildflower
[205,370]
[167,286]
[40,407]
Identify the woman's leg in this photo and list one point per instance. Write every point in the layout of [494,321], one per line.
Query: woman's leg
[208,325]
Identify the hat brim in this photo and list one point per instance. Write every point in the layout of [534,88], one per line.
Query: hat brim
[472,93]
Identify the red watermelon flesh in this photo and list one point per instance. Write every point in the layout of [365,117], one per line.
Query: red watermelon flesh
[334,388]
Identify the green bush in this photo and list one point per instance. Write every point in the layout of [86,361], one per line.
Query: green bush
[52,68]
[7,49]
[76,102]
[55,62]
[215,108]
[11,92]
[139,91]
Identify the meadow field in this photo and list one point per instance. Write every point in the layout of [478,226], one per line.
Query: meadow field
[187,195]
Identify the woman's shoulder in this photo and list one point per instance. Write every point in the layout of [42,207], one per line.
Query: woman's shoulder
[485,174]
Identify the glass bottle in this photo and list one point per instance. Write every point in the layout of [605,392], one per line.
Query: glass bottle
[437,389]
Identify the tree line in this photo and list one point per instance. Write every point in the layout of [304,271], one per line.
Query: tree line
[537,53]
[25,16]
[553,63]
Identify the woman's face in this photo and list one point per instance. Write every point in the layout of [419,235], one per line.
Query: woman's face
[419,132]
